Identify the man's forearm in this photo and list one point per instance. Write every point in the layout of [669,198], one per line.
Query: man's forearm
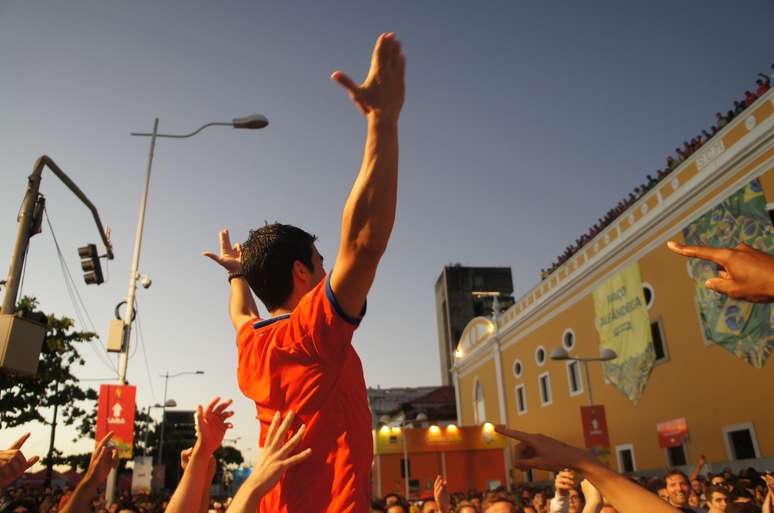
[84,493]
[188,494]
[248,497]
[369,212]
[241,305]
[621,492]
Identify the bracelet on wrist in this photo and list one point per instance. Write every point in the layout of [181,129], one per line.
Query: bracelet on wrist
[231,276]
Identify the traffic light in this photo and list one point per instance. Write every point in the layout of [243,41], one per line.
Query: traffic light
[92,269]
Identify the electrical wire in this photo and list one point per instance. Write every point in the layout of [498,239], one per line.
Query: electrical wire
[72,291]
[145,354]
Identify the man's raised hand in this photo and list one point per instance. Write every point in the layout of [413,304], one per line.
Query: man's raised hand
[383,90]
[564,482]
[103,460]
[748,274]
[441,495]
[543,452]
[13,463]
[211,425]
[230,256]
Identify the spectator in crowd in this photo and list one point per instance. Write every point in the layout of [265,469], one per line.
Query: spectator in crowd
[498,503]
[13,463]
[763,86]
[678,490]
[749,98]
[717,499]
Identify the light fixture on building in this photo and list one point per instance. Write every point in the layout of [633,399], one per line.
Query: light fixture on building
[434,430]
[488,427]
[459,353]
[384,430]
[452,428]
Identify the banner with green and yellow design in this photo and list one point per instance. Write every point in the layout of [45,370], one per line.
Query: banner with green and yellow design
[743,328]
[624,326]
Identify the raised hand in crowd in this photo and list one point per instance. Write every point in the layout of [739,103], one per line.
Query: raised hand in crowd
[103,460]
[441,495]
[545,453]
[276,457]
[563,483]
[211,427]
[212,466]
[242,307]
[13,463]
[747,273]
[593,498]
[768,503]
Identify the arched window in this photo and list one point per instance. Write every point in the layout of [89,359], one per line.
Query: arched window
[479,408]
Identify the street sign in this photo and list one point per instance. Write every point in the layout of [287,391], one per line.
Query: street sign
[115,412]
[595,433]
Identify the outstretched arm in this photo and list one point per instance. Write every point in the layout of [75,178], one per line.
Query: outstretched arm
[276,457]
[103,459]
[697,471]
[369,212]
[542,452]
[211,427]
[748,274]
[241,305]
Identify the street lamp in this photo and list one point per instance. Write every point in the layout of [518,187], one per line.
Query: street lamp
[254,121]
[605,355]
[169,404]
[403,426]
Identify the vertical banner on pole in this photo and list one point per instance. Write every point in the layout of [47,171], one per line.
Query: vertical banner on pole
[115,412]
[595,433]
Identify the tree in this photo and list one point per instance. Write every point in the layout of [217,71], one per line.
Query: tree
[23,399]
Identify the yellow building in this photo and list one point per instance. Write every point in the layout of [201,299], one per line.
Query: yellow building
[503,371]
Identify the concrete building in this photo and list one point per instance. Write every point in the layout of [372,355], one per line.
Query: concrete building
[691,376]
[462,293]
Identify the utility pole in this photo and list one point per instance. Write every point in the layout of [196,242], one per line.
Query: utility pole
[50,464]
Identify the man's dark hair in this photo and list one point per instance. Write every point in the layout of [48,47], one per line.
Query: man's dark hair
[268,256]
[715,489]
[676,472]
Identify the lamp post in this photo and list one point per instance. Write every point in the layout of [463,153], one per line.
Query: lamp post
[166,404]
[253,122]
[605,355]
[403,426]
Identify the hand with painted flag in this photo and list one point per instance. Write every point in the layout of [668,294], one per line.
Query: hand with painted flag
[13,463]
[746,274]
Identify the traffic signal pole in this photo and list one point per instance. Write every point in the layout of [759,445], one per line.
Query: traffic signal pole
[25,227]
[134,275]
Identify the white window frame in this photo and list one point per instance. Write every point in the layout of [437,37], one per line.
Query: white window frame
[523,388]
[545,355]
[739,427]
[666,358]
[646,285]
[577,364]
[476,385]
[549,388]
[574,339]
[513,368]
[625,447]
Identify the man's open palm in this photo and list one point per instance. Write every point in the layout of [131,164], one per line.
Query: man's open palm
[230,256]
[383,90]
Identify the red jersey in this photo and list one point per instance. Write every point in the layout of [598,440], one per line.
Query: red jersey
[304,361]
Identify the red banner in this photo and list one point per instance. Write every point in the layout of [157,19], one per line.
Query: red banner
[672,433]
[115,412]
[595,433]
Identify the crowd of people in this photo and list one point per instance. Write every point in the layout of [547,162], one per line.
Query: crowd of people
[681,154]
[746,492]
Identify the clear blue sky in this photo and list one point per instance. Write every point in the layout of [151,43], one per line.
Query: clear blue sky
[524,122]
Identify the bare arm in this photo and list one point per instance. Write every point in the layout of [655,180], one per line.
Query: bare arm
[241,305]
[540,451]
[103,459]
[211,427]
[276,457]
[185,457]
[369,212]
[592,497]
[697,470]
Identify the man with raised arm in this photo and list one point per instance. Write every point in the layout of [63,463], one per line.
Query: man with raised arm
[301,358]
